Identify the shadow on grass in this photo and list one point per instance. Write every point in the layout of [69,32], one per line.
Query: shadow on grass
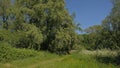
[107,59]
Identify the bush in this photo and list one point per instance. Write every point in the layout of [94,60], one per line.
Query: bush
[63,42]
[10,37]
[118,59]
[8,53]
[109,57]
[30,37]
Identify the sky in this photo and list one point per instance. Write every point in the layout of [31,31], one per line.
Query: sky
[89,12]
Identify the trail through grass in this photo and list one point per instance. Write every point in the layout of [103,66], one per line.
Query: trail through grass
[47,60]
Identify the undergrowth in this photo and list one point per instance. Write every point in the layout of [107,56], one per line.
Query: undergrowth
[8,53]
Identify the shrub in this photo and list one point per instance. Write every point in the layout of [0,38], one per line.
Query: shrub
[63,42]
[117,59]
[30,37]
[8,53]
[9,37]
[27,38]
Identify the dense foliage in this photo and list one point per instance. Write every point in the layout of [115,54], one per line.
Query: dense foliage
[111,25]
[7,53]
[107,34]
[28,25]
[104,36]
[37,24]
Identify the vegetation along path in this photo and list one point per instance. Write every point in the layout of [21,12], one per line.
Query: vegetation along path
[75,60]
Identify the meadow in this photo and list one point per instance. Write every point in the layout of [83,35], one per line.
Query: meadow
[78,59]
[44,34]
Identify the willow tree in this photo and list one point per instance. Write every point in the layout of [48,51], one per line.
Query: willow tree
[52,19]
[29,35]
[60,29]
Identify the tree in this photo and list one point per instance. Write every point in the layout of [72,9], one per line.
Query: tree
[92,38]
[51,18]
[111,26]
[4,12]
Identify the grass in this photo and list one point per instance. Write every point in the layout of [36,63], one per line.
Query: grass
[102,52]
[48,60]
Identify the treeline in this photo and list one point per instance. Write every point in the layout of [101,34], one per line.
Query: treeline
[37,24]
[106,35]
[47,25]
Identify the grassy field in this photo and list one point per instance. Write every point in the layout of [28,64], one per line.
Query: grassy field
[48,60]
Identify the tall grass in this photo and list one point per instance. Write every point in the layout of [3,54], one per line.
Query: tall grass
[24,58]
[76,61]
[48,60]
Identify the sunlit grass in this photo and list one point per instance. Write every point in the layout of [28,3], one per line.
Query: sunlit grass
[48,60]
[75,61]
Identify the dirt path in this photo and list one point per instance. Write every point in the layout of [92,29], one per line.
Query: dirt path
[7,65]
[45,62]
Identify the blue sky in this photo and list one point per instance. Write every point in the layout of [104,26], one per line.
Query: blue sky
[89,12]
